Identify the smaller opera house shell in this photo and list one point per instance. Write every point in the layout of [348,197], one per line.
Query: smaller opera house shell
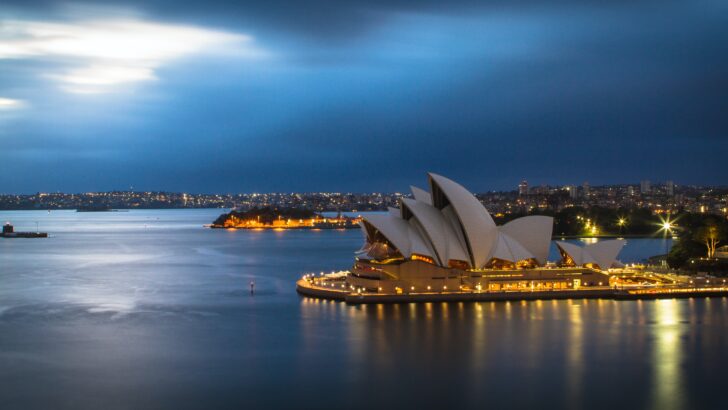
[445,240]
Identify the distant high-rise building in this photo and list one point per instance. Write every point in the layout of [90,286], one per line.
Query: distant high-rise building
[523,188]
[670,188]
[645,187]
[585,188]
[630,190]
[540,190]
[679,199]
[572,191]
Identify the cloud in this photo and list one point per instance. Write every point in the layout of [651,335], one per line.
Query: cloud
[96,55]
[10,104]
[420,83]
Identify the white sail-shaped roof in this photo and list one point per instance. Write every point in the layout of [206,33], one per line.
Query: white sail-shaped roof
[478,227]
[603,253]
[450,224]
[394,229]
[509,249]
[365,247]
[449,213]
[393,211]
[438,231]
[574,251]
[418,244]
[421,195]
[587,257]
[399,233]
[534,233]
[425,247]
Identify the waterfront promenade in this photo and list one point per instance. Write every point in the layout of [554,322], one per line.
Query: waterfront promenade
[332,286]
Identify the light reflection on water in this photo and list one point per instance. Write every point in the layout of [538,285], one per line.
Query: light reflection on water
[667,384]
[109,313]
[577,353]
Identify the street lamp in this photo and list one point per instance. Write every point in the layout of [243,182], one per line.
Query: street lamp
[666,226]
[621,223]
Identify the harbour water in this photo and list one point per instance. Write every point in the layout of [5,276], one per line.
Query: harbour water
[147,309]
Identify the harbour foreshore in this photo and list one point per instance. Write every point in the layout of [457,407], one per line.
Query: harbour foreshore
[311,289]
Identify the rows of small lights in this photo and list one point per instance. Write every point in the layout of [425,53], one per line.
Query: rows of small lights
[330,274]
[676,290]
[692,198]
[321,280]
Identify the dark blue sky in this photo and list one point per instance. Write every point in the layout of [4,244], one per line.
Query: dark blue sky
[360,96]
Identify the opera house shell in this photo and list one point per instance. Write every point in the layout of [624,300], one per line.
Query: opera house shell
[446,238]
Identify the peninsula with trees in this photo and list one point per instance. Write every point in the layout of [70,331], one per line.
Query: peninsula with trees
[282,218]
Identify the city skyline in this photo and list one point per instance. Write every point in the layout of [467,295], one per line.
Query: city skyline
[521,188]
[662,198]
[221,97]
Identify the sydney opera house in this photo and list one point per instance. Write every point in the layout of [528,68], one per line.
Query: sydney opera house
[445,240]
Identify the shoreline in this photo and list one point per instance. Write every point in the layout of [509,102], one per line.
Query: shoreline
[555,237]
[609,236]
[25,235]
[305,288]
[280,228]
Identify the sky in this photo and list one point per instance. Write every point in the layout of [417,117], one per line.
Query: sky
[283,96]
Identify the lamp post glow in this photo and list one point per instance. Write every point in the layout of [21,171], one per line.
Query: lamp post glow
[666,226]
[621,223]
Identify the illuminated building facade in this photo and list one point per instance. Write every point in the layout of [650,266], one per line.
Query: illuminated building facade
[523,188]
[445,240]
[317,221]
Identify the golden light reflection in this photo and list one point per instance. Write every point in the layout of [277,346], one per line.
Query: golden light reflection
[667,356]
[479,341]
[575,353]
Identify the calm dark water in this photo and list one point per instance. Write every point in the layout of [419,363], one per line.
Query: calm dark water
[146,309]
